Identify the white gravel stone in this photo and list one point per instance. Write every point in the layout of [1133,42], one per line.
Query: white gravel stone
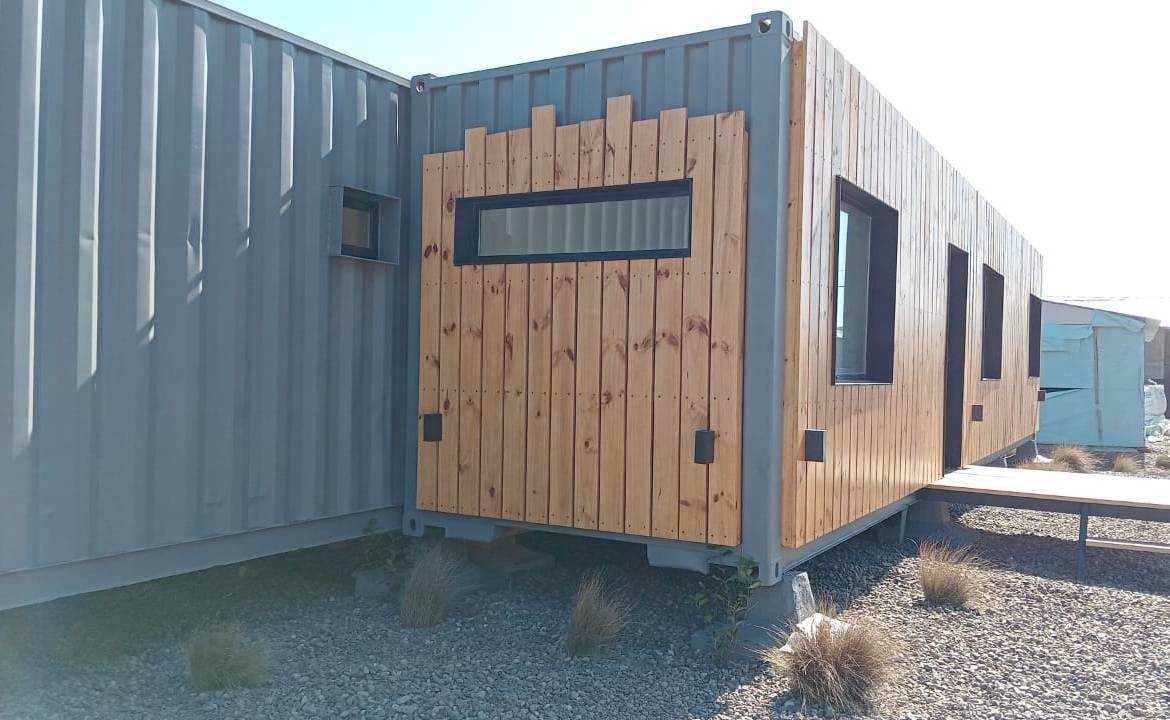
[1040,647]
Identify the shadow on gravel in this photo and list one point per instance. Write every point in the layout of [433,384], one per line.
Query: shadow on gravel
[103,625]
[854,567]
[1056,559]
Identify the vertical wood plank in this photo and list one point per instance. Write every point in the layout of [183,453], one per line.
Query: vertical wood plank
[471,339]
[668,292]
[494,320]
[885,440]
[614,309]
[449,312]
[727,310]
[795,362]
[564,345]
[516,345]
[428,362]
[587,428]
[640,356]
[696,333]
[540,330]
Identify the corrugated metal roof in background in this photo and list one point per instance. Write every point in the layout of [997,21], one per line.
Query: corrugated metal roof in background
[178,357]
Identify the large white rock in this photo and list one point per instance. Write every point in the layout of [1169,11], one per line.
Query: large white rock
[812,624]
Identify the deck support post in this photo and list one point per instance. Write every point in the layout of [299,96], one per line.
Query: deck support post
[1082,560]
[902,525]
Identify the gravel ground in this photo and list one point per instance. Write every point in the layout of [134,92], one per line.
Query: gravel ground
[1147,460]
[1036,646]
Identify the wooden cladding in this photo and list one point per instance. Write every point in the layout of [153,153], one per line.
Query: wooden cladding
[885,441]
[571,391]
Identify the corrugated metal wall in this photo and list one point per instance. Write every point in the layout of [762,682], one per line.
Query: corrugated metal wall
[178,356]
[706,73]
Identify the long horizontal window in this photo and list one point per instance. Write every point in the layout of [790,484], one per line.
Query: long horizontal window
[644,220]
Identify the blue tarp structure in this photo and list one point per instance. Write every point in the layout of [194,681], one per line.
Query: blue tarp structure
[1093,372]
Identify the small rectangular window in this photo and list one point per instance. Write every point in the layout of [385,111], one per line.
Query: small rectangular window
[992,324]
[644,220]
[362,225]
[867,256]
[1035,318]
[359,226]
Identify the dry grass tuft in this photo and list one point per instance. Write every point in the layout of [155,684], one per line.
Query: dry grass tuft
[827,606]
[1075,457]
[948,573]
[598,616]
[219,656]
[1053,466]
[1127,464]
[841,669]
[429,588]
[1162,462]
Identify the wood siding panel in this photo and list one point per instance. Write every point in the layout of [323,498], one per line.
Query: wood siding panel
[449,313]
[471,338]
[587,428]
[696,330]
[516,345]
[668,295]
[494,319]
[727,313]
[540,330]
[572,391]
[640,353]
[430,255]
[563,391]
[615,283]
[885,441]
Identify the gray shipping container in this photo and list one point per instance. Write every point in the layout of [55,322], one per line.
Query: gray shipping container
[188,375]
[193,372]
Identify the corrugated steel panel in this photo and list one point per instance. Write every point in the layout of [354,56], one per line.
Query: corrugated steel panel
[707,72]
[179,357]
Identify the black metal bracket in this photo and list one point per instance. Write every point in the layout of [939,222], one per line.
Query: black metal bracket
[432,427]
[704,447]
[815,445]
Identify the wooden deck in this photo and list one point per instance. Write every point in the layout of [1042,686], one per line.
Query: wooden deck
[1084,494]
[1115,490]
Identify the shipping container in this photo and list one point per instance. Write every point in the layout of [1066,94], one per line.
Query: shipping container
[710,293]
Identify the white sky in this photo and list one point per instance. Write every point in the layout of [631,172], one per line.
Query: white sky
[1056,111]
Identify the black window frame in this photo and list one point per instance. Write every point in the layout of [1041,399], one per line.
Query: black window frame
[991,339]
[467,210]
[1035,325]
[358,200]
[883,285]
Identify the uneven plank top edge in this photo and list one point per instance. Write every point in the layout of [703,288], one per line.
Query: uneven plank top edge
[1065,486]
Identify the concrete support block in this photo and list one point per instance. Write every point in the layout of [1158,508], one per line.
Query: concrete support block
[1025,453]
[772,612]
[932,520]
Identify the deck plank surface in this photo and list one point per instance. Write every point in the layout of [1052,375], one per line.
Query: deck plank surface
[1122,490]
